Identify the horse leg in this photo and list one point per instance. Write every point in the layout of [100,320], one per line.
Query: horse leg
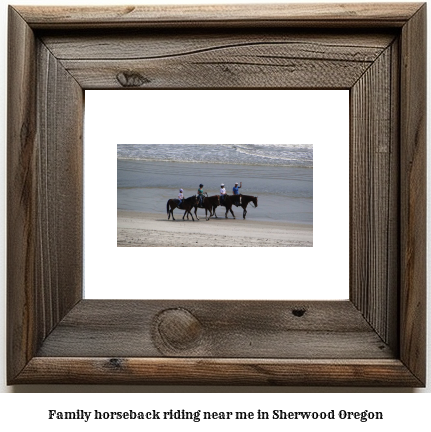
[210,212]
[214,212]
[172,211]
[232,213]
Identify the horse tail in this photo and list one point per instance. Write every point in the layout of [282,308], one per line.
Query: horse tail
[167,207]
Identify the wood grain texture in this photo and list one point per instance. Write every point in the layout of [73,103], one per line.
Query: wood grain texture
[141,44]
[21,196]
[392,299]
[56,53]
[413,194]
[45,105]
[198,371]
[374,195]
[208,59]
[300,15]
[240,329]
[59,182]
[255,61]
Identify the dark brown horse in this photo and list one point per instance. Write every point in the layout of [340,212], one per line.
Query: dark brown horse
[228,201]
[207,204]
[239,201]
[186,205]
[245,201]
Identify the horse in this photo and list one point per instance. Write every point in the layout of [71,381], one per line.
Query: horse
[228,202]
[245,200]
[238,200]
[207,204]
[186,205]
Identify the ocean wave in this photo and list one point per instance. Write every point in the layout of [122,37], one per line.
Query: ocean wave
[291,165]
[302,158]
[288,155]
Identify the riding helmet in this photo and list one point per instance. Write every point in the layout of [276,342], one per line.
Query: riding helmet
[201,185]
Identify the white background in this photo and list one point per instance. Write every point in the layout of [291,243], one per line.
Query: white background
[320,118]
[402,410]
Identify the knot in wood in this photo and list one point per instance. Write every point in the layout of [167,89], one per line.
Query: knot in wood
[298,312]
[115,363]
[178,329]
[131,79]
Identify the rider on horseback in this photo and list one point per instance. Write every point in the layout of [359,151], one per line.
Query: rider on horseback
[222,193]
[201,194]
[236,192]
[180,198]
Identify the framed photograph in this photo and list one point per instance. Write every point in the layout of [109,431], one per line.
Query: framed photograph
[376,337]
[288,180]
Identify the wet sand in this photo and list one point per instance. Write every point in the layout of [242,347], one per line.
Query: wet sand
[285,194]
[138,229]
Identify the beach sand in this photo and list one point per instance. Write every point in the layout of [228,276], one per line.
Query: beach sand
[138,229]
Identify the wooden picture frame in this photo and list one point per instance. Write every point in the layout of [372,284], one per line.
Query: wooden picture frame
[376,338]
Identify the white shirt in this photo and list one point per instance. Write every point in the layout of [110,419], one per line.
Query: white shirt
[180,196]
[222,191]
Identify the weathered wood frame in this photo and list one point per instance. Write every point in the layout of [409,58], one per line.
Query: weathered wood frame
[376,338]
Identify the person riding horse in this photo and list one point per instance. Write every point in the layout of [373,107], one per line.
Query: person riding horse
[187,205]
[235,191]
[222,193]
[180,197]
[201,194]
